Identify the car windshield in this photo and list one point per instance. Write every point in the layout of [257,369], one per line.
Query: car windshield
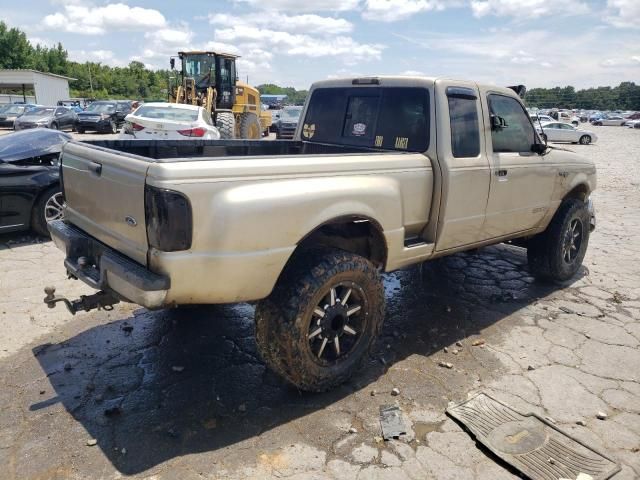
[14,109]
[41,111]
[101,108]
[167,113]
[291,113]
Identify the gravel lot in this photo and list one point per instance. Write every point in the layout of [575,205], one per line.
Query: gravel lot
[565,352]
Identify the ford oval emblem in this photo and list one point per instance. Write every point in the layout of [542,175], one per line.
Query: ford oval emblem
[130,221]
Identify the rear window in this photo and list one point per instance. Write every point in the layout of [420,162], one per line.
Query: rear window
[390,118]
[167,113]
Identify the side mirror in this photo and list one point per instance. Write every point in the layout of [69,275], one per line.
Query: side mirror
[539,148]
[172,62]
[498,123]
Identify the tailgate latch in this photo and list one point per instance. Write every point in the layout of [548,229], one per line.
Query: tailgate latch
[100,300]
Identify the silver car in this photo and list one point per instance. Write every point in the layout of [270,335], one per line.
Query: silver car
[56,118]
[564,132]
[610,121]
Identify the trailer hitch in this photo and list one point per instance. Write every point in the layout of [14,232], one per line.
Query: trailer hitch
[100,300]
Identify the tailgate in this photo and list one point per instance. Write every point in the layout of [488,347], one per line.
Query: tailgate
[104,191]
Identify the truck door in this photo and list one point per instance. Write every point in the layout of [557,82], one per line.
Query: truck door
[521,181]
[465,166]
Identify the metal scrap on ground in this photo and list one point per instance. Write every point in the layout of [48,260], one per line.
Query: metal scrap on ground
[391,422]
[529,443]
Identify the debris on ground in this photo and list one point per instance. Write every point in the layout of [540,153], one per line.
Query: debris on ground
[91,442]
[373,393]
[445,364]
[582,423]
[177,368]
[395,391]
[445,349]
[127,329]
[601,416]
[477,343]
[531,367]
[353,430]
[617,297]
[528,442]
[68,366]
[391,422]
[459,344]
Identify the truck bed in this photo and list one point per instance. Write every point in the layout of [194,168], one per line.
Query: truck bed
[190,150]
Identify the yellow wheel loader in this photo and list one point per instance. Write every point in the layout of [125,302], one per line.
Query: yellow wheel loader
[209,79]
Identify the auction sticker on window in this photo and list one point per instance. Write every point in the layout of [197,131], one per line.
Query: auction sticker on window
[359,129]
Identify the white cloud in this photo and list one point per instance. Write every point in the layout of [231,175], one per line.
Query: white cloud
[303,6]
[624,13]
[307,23]
[301,45]
[526,9]
[616,62]
[170,36]
[90,20]
[106,57]
[393,10]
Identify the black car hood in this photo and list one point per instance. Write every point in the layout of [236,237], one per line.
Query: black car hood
[93,114]
[31,143]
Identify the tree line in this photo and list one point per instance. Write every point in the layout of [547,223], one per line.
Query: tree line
[625,96]
[135,81]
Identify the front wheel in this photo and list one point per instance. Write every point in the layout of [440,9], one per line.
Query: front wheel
[585,140]
[226,124]
[557,253]
[250,127]
[48,207]
[322,318]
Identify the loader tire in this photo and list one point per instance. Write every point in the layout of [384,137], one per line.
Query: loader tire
[226,124]
[557,253]
[322,295]
[250,127]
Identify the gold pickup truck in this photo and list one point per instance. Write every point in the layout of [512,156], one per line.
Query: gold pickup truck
[383,172]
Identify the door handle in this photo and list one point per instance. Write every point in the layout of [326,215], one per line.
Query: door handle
[95,168]
[501,173]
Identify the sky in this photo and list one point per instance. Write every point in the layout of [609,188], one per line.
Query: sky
[538,43]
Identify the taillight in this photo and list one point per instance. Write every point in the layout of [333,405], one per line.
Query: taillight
[169,219]
[136,128]
[193,132]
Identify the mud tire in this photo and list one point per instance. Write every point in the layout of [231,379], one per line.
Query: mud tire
[545,250]
[283,319]
[226,124]
[250,127]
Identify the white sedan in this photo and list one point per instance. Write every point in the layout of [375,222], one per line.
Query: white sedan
[169,121]
[564,132]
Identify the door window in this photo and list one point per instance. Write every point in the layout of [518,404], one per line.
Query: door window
[518,135]
[465,133]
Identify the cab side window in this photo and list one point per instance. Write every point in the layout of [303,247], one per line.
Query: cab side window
[463,119]
[518,135]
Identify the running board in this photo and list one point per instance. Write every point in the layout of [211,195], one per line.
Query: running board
[412,242]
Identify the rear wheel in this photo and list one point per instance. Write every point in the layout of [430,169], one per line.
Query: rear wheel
[79,129]
[48,207]
[585,139]
[54,126]
[226,124]
[322,318]
[557,253]
[250,127]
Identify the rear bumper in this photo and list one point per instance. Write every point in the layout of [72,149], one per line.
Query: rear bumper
[108,270]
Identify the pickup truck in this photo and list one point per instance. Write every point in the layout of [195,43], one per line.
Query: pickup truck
[383,172]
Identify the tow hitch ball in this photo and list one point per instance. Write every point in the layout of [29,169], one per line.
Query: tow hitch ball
[99,300]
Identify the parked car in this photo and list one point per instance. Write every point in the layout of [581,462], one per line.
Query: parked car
[563,132]
[384,173]
[169,121]
[541,118]
[9,113]
[30,193]
[56,118]
[609,121]
[103,116]
[288,122]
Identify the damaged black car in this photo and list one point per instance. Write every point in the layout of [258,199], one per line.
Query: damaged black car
[30,193]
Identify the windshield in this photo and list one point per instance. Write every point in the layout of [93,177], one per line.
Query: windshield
[40,111]
[167,113]
[200,68]
[101,108]
[393,118]
[14,109]
[291,113]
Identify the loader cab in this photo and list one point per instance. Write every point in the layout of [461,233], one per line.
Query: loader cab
[210,69]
